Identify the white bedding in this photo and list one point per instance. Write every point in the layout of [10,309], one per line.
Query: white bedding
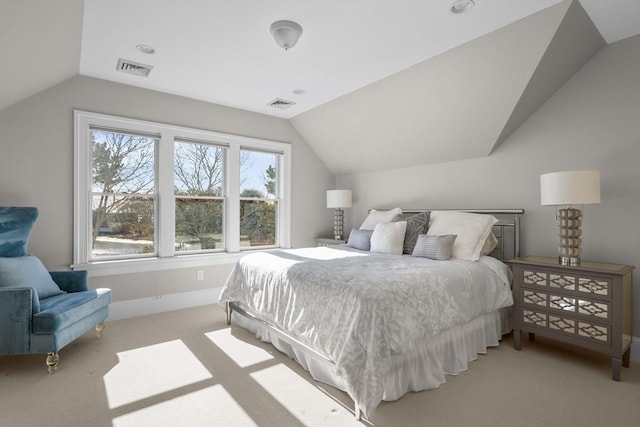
[360,308]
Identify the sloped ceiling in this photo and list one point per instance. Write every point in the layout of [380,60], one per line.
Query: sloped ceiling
[39,46]
[459,104]
[456,105]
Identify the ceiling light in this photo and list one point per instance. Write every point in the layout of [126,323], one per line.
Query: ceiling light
[460,6]
[149,50]
[286,33]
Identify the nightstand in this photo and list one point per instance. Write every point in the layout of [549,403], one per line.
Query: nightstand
[588,305]
[327,241]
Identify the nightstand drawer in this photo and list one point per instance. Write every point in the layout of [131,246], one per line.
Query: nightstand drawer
[570,304]
[587,285]
[582,331]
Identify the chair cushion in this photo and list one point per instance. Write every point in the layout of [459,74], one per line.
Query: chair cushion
[58,312]
[27,272]
[15,228]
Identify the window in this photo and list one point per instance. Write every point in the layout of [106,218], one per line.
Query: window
[258,198]
[198,179]
[153,196]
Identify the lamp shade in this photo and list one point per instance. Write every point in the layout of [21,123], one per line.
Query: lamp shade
[339,198]
[570,188]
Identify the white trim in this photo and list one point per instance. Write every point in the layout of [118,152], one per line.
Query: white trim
[141,265]
[162,303]
[167,258]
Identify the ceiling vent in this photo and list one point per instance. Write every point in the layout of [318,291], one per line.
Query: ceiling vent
[134,68]
[282,104]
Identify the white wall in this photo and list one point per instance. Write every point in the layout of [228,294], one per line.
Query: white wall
[592,122]
[36,169]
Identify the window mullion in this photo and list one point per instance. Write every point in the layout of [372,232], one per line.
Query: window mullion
[232,204]
[284,198]
[166,201]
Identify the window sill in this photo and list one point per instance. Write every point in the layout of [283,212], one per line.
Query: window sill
[127,266]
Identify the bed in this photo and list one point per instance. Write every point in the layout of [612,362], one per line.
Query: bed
[377,323]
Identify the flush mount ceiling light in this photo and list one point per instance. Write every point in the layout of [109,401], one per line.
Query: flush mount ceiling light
[286,33]
[461,6]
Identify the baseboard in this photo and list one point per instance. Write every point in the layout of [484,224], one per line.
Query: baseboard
[162,303]
[635,350]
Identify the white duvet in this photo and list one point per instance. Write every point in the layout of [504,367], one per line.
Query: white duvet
[359,308]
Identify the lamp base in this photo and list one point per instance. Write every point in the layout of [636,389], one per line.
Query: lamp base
[338,223]
[569,260]
[570,236]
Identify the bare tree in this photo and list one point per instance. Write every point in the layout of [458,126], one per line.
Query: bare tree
[123,167]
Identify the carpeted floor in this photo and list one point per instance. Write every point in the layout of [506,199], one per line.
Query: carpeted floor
[187,368]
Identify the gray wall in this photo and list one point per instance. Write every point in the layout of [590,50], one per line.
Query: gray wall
[592,122]
[36,169]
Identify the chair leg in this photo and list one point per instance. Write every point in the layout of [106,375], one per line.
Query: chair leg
[99,329]
[52,362]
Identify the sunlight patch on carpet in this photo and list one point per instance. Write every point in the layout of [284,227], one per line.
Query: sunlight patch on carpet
[302,399]
[212,406]
[148,371]
[242,353]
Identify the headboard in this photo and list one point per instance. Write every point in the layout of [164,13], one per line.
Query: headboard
[506,230]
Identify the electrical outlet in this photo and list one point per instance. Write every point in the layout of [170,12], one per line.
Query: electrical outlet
[200,275]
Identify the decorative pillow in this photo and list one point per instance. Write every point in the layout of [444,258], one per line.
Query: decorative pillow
[434,247]
[489,245]
[15,228]
[27,272]
[360,239]
[472,231]
[376,217]
[416,224]
[388,237]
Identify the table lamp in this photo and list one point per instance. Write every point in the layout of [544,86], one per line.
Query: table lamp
[568,191]
[338,199]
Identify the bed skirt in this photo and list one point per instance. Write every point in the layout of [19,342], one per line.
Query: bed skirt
[422,368]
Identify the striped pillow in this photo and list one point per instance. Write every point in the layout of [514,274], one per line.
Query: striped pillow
[434,247]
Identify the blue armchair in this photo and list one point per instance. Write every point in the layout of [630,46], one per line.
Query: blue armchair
[41,311]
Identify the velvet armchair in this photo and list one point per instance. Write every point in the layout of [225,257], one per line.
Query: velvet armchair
[41,311]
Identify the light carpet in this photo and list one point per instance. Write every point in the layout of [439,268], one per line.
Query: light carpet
[188,368]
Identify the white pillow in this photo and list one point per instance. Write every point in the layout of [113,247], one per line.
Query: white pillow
[489,245]
[388,237]
[376,217]
[472,231]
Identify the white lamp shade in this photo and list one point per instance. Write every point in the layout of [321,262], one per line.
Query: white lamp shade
[339,198]
[570,188]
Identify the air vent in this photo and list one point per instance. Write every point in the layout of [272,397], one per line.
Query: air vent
[134,68]
[282,104]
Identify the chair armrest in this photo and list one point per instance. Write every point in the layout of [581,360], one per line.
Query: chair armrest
[16,310]
[72,280]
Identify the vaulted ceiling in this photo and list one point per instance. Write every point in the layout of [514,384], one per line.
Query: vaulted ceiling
[377,84]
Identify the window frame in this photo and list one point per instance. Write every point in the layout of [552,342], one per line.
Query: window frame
[167,257]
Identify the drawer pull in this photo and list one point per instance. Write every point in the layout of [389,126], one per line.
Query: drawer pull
[592,331]
[593,286]
[562,282]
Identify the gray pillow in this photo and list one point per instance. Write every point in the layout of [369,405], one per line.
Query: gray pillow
[27,272]
[434,247]
[416,224]
[360,239]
